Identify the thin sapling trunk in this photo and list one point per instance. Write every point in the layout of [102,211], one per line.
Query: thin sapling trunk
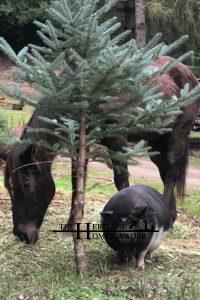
[79,200]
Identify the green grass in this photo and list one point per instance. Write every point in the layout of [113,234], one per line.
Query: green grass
[105,188]
[192,203]
[46,270]
[194,161]
[15,122]
[194,134]
[16,117]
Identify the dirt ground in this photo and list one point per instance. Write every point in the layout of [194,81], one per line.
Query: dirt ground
[148,171]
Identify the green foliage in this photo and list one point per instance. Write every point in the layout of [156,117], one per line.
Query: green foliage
[16,20]
[195,70]
[21,12]
[3,122]
[175,18]
[102,76]
[196,59]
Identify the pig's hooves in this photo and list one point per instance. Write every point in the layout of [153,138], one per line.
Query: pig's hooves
[141,264]
[149,258]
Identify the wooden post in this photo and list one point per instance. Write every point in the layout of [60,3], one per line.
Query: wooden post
[79,200]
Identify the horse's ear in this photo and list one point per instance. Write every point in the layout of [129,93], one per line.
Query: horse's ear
[28,155]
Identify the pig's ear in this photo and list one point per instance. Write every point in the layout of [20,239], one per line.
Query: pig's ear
[141,211]
[107,213]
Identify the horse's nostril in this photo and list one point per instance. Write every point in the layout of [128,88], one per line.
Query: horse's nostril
[21,235]
[29,237]
[33,238]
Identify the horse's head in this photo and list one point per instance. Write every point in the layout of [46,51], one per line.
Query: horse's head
[31,188]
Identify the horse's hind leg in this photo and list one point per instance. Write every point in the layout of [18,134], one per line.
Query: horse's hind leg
[169,182]
[172,163]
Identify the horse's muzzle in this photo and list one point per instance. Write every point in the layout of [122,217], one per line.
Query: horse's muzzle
[29,234]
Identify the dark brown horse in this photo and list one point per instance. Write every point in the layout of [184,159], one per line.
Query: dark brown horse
[32,188]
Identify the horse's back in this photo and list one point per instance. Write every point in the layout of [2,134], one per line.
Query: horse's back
[171,83]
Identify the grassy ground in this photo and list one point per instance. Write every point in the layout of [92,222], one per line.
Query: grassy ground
[195,134]
[46,270]
[16,117]
[194,159]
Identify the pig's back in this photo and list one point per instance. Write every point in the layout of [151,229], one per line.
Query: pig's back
[138,196]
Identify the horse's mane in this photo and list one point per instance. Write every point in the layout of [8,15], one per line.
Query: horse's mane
[40,153]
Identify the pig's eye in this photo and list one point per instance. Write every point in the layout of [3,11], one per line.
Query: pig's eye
[133,223]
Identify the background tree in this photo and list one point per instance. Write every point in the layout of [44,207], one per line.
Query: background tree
[140,23]
[16,20]
[174,18]
[100,93]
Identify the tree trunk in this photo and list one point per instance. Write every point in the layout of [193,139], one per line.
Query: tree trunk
[79,200]
[140,24]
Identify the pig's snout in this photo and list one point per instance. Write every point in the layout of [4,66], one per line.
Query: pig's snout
[124,237]
[124,234]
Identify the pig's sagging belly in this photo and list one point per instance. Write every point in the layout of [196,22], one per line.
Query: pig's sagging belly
[156,239]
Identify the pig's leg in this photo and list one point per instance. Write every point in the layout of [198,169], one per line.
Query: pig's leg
[140,259]
[148,251]
[149,257]
[155,242]
[125,258]
[146,254]
[122,258]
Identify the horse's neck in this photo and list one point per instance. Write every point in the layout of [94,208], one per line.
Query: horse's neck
[37,136]
[36,123]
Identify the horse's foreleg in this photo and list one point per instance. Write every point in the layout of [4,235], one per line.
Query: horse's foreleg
[121,175]
[120,168]
[74,182]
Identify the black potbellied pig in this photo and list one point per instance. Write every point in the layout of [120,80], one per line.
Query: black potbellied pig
[135,221]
